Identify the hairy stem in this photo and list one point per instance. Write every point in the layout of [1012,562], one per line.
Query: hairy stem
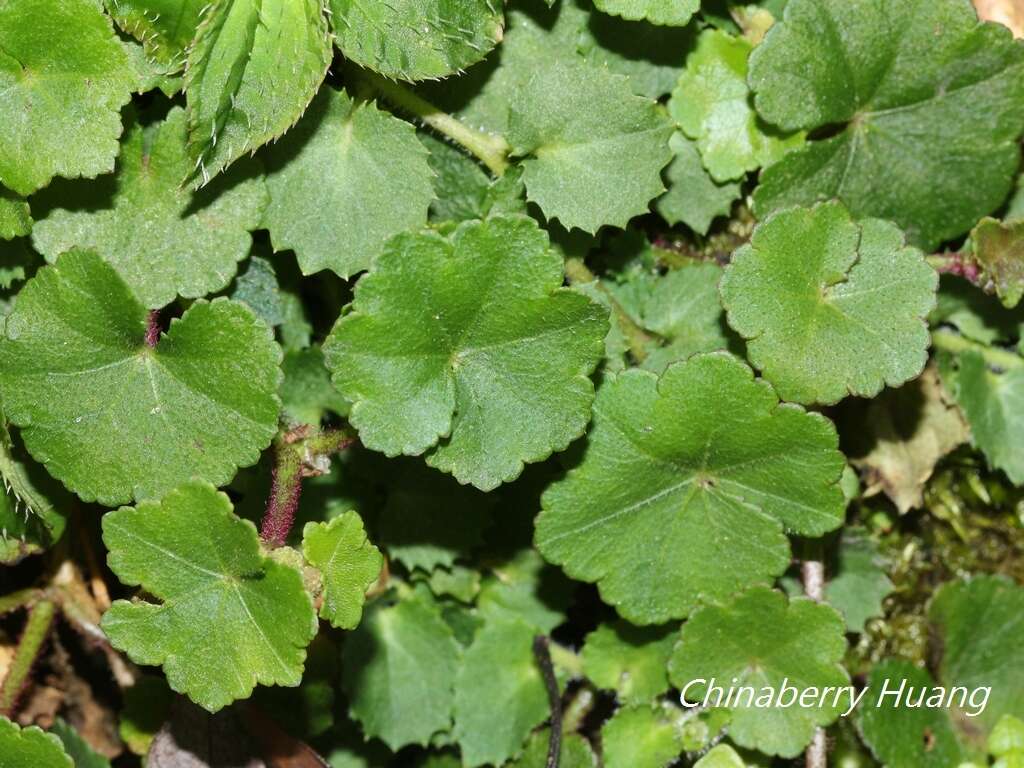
[636,337]
[993,356]
[19,599]
[152,328]
[541,650]
[37,628]
[490,149]
[956,263]
[296,455]
[812,573]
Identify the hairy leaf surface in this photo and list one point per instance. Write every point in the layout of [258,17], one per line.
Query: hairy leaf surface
[114,419]
[227,618]
[468,348]
[702,463]
[348,564]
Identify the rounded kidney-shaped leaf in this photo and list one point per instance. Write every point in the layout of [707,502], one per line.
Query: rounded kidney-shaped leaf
[686,486]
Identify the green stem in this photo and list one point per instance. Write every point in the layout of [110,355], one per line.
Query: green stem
[636,337]
[40,619]
[19,599]
[490,149]
[993,356]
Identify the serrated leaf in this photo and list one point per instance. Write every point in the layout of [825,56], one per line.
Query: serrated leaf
[928,102]
[399,672]
[348,563]
[671,12]
[15,216]
[78,749]
[905,737]
[63,80]
[252,70]
[999,250]
[629,660]
[712,105]
[760,639]
[498,667]
[994,406]
[593,150]
[365,169]
[162,239]
[165,28]
[470,339]
[640,737]
[200,404]
[228,617]
[416,39]
[702,462]
[693,197]
[830,307]
[648,54]
[978,621]
[860,583]
[430,520]
[33,506]
[907,431]
[30,747]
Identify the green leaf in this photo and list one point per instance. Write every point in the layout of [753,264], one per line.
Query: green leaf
[145,710]
[999,251]
[640,737]
[430,520]
[593,150]
[722,756]
[928,104]
[30,747]
[907,431]
[163,240]
[63,80]
[15,216]
[200,404]
[575,753]
[399,671]
[712,105]
[498,667]
[762,640]
[33,506]
[683,308]
[1007,737]
[629,660]
[258,287]
[860,583]
[416,39]
[693,197]
[978,622]
[367,173]
[348,563]
[463,190]
[830,307]
[703,463]
[252,70]
[994,406]
[648,54]
[77,748]
[528,589]
[901,736]
[307,393]
[227,618]
[471,339]
[671,12]
[164,27]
